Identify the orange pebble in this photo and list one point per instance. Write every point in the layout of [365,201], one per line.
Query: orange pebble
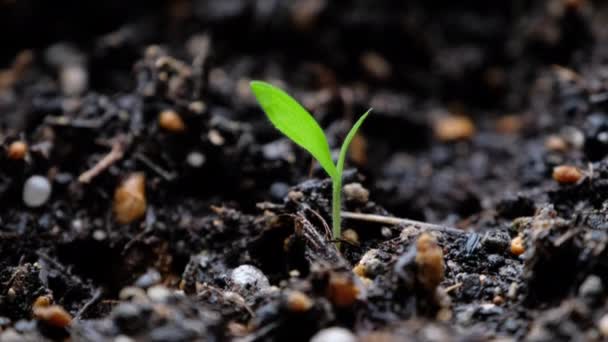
[130,199]
[298,302]
[53,315]
[429,258]
[42,302]
[452,128]
[567,174]
[170,121]
[342,291]
[17,150]
[517,246]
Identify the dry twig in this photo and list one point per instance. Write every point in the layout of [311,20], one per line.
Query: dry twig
[117,152]
[399,221]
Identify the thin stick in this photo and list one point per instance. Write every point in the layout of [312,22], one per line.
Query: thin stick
[117,152]
[88,304]
[398,221]
[168,176]
[453,287]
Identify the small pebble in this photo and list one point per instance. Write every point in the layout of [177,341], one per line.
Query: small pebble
[429,259]
[603,325]
[513,289]
[73,79]
[386,232]
[195,159]
[36,191]
[356,192]
[334,334]
[170,121]
[556,144]
[567,174]
[42,302]
[376,65]
[298,302]
[53,315]
[295,196]
[452,128]
[360,270]
[342,291]
[134,294]
[498,300]
[591,288]
[11,294]
[509,124]
[350,236]
[370,264]
[99,235]
[129,317]
[197,107]
[216,137]
[158,293]
[17,150]
[151,277]
[130,199]
[279,190]
[247,277]
[517,246]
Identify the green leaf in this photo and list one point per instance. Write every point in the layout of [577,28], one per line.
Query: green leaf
[349,137]
[289,117]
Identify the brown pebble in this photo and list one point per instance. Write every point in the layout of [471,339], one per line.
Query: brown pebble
[498,300]
[342,291]
[17,150]
[170,121]
[567,174]
[429,259]
[42,302]
[509,124]
[376,65]
[53,315]
[130,199]
[454,127]
[517,245]
[298,302]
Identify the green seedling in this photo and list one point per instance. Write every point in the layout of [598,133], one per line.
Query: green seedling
[289,117]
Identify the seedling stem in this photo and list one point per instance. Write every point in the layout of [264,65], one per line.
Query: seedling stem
[289,117]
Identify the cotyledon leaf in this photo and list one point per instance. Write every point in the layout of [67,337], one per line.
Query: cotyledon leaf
[289,117]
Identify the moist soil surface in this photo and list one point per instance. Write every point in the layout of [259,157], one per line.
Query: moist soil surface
[475,200]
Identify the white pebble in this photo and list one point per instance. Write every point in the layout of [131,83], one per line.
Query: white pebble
[334,334]
[74,80]
[123,338]
[158,293]
[36,191]
[247,277]
[195,159]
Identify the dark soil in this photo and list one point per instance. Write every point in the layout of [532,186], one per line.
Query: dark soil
[475,103]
